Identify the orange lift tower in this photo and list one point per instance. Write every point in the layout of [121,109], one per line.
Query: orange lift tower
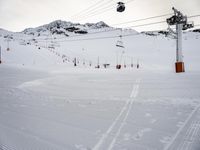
[181,23]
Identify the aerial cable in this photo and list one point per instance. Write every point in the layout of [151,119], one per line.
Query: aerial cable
[97,11]
[141,25]
[98,38]
[93,9]
[88,8]
[86,39]
[138,20]
[194,16]
[46,39]
[101,11]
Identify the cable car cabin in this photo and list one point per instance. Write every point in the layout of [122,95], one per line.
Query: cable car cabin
[120,44]
[120,7]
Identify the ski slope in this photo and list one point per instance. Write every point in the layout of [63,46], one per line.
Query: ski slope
[152,52]
[47,103]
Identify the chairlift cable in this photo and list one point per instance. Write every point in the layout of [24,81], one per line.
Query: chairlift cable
[45,39]
[141,19]
[141,25]
[80,35]
[97,38]
[117,29]
[194,16]
[107,37]
[65,39]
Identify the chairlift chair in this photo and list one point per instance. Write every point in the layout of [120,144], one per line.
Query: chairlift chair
[120,7]
[120,42]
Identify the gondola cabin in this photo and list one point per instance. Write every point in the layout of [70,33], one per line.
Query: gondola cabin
[120,7]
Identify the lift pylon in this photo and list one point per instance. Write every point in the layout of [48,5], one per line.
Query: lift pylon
[181,23]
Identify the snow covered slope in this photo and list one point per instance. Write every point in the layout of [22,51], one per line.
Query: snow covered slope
[57,106]
[60,42]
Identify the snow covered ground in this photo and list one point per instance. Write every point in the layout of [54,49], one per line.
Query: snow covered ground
[46,103]
[99,109]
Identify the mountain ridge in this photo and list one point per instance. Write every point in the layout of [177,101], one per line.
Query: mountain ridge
[64,28]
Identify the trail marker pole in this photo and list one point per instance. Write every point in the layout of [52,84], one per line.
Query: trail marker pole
[75,62]
[138,64]
[131,62]
[0,55]
[98,66]
[8,47]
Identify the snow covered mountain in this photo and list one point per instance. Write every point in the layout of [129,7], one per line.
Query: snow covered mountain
[64,28]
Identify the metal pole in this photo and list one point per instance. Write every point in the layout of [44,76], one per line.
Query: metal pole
[181,23]
[124,63]
[8,44]
[98,63]
[177,48]
[117,57]
[179,65]
[138,64]
[75,61]
[120,61]
[132,62]
[179,56]
[0,54]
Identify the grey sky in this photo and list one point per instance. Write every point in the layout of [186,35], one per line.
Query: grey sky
[16,15]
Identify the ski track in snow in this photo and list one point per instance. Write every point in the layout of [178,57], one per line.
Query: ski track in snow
[127,107]
[167,147]
[27,135]
[190,136]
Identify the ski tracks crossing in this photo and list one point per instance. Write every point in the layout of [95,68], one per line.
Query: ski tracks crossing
[119,121]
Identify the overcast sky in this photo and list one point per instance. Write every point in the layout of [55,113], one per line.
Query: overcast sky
[16,15]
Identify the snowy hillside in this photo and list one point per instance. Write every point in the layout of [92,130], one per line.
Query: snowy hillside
[61,42]
[47,103]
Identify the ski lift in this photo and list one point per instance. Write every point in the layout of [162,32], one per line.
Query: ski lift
[120,7]
[120,42]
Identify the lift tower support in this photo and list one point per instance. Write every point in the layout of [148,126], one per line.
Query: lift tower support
[181,23]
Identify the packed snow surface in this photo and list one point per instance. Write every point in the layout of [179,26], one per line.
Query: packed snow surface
[98,109]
